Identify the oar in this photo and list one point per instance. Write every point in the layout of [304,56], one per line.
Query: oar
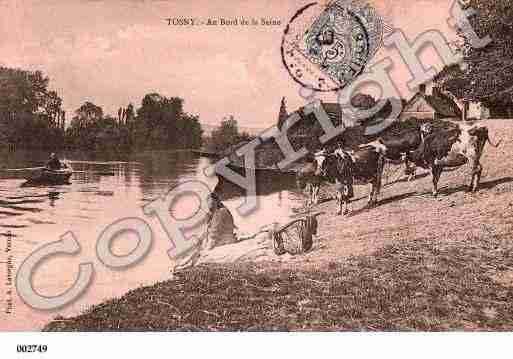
[23,169]
[102,163]
[100,173]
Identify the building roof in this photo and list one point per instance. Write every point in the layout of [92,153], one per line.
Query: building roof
[444,105]
[440,102]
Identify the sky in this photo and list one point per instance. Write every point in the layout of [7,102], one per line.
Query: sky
[113,52]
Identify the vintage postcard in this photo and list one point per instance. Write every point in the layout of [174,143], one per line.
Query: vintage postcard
[255,166]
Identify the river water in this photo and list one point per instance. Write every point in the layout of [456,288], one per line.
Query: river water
[104,189]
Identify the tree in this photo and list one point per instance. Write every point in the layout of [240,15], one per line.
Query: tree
[227,135]
[109,135]
[29,111]
[487,73]
[84,127]
[88,114]
[190,131]
[130,114]
[162,123]
[156,120]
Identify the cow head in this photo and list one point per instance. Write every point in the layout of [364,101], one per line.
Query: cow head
[320,157]
[309,170]
[425,130]
[335,165]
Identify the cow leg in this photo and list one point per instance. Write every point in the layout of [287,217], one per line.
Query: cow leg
[409,170]
[436,171]
[379,176]
[315,189]
[371,195]
[478,178]
[477,170]
[452,160]
[342,199]
[345,207]
[339,201]
[346,195]
[376,183]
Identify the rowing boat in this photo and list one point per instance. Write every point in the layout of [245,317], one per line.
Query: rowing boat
[48,176]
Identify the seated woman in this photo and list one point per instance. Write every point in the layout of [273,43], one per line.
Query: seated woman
[220,244]
[221,228]
[220,231]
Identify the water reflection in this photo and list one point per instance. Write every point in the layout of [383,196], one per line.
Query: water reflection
[104,190]
[138,180]
[267,183]
[54,195]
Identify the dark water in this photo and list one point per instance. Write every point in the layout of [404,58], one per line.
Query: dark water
[103,190]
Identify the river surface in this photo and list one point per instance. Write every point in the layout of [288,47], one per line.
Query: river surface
[104,189]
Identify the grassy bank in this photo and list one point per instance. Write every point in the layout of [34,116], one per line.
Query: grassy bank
[416,285]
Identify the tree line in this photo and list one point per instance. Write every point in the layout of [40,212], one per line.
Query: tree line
[31,117]
[160,123]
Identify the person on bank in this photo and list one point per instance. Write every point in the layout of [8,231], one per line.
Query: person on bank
[221,227]
[221,244]
[54,163]
[220,230]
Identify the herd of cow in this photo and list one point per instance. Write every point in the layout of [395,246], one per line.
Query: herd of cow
[423,146]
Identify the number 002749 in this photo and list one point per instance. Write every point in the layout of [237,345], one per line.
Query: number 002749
[31,348]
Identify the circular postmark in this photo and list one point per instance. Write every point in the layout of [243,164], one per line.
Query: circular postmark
[325,47]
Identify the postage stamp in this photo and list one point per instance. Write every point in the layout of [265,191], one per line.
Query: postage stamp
[325,47]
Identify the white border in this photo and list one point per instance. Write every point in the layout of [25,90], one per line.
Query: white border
[259,345]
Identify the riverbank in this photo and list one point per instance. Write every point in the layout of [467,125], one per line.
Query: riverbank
[411,263]
[400,287]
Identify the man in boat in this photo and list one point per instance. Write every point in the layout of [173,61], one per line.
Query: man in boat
[54,163]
